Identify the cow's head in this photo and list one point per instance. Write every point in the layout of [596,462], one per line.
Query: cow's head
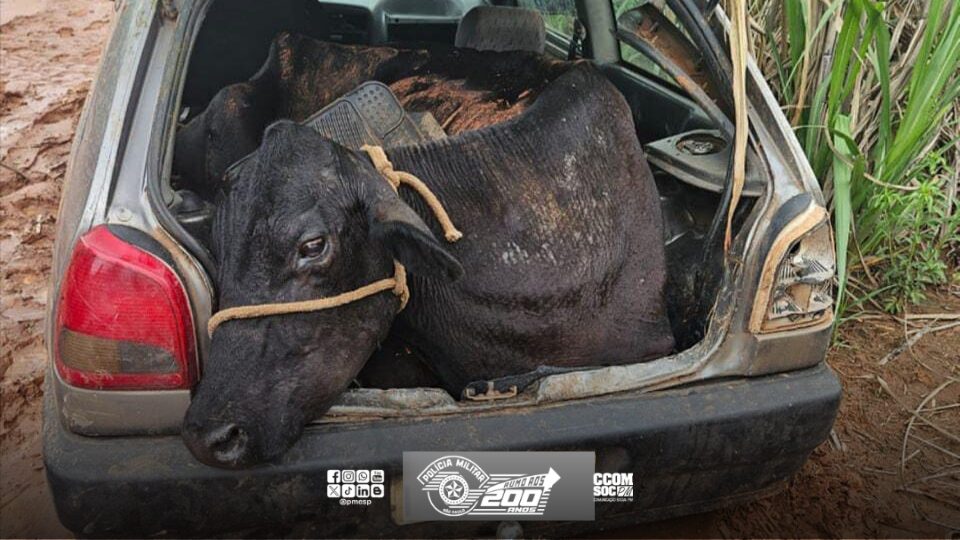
[227,130]
[303,218]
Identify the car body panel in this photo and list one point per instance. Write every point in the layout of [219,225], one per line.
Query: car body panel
[690,449]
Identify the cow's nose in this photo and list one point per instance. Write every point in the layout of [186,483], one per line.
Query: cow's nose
[226,444]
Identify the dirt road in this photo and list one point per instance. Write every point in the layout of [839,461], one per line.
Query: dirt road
[48,55]
[881,475]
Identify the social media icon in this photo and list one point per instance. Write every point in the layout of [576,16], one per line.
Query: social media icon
[333,476]
[349,491]
[363,476]
[363,491]
[333,491]
[349,476]
[376,476]
[376,491]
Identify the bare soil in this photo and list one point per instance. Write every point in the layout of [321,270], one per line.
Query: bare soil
[880,475]
[48,56]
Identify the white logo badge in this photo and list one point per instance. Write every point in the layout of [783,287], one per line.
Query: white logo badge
[613,487]
[457,486]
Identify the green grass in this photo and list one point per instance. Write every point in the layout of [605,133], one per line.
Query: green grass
[872,89]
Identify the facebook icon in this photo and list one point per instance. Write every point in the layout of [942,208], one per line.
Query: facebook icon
[333,476]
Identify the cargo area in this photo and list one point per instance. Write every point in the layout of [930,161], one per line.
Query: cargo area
[358,57]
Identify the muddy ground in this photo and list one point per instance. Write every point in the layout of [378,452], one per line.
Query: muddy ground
[881,474]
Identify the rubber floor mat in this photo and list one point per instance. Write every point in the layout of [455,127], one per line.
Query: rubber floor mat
[368,114]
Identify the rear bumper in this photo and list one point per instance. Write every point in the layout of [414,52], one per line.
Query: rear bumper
[690,449]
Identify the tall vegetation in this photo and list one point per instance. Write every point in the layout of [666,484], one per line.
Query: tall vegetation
[873,92]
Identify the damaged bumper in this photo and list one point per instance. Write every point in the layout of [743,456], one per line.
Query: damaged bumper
[691,449]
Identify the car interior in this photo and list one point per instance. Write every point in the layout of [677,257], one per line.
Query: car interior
[686,151]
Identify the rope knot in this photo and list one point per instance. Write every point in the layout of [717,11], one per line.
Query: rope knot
[383,165]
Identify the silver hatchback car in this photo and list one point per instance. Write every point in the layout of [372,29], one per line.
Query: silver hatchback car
[730,415]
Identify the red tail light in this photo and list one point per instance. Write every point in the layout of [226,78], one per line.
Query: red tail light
[123,320]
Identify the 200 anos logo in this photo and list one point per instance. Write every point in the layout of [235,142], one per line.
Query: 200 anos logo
[456,486]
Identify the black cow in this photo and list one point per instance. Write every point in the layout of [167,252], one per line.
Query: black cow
[302,75]
[294,82]
[562,263]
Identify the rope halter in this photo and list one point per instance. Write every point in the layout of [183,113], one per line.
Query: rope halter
[396,284]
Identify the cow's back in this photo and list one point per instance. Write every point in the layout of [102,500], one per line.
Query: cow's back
[563,245]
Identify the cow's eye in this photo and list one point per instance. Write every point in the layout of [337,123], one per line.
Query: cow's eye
[314,248]
[315,252]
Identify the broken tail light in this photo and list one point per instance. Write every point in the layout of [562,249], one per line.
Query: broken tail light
[796,284]
[123,320]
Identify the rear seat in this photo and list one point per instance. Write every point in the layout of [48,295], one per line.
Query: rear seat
[500,29]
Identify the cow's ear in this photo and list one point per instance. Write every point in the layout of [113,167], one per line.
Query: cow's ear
[399,229]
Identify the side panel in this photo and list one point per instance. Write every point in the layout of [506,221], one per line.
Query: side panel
[101,132]
[105,183]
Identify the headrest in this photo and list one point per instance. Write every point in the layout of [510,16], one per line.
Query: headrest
[497,28]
